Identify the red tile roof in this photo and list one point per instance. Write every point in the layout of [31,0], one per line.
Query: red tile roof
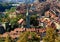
[20,21]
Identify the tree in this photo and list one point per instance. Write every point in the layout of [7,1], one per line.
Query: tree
[23,37]
[13,22]
[8,39]
[29,37]
[34,21]
[33,37]
[19,16]
[13,9]
[57,39]
[0,19]
[2,39]
[51,35]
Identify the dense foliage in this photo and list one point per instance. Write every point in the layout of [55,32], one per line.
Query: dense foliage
[29,37]
[51,35]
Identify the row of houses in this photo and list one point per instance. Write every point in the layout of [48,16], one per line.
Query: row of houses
[16,32]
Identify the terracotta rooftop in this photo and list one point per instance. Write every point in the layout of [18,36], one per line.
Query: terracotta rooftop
[17,31]
[20,21]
